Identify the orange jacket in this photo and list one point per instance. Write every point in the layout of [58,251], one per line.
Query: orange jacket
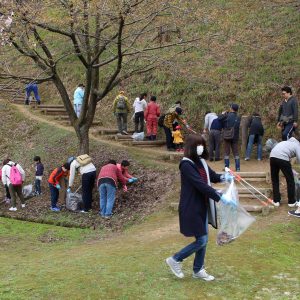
[56,175]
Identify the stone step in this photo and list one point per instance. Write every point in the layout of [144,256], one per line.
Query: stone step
[54,111]
[149,143]
[50,106]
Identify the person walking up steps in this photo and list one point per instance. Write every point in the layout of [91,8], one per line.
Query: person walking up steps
[32,88]
[152,113]
[139,106]
[121,109]
[13,176]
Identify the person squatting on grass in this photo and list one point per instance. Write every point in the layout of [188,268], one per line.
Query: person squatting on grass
[54,185]
[107,183]
[13,176]
[88,177]
[197,205]
[139,106]
[152,113]
[231,128]
[287,114]
[280,157]
[123,167]
[39,172]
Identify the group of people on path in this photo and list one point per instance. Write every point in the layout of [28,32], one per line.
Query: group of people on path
[111,174]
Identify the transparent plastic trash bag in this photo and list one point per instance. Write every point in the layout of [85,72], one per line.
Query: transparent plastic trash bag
[233,219]
[27,191]
[138,136]
[297,185]
[270,144]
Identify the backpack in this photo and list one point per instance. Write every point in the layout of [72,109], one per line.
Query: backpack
[161,120]
[121,104]
[84,160]
[15,176]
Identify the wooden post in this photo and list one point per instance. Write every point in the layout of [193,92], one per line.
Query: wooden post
[244,126]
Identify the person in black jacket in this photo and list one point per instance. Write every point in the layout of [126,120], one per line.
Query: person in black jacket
[256,133]
[197,205]
[288,114]
[231,120]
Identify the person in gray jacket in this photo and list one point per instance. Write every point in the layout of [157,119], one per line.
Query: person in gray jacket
[280,157]
[288,113]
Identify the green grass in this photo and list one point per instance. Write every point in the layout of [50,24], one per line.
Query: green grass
[262,264]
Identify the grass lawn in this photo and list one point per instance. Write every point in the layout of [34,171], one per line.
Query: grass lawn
[47,262]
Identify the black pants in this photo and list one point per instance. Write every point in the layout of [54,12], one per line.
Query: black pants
[139,120]
[7,192]
[88,182]
[214,144]
[276,165]
[169,138]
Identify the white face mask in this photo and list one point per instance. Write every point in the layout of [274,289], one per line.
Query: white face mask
[200,150]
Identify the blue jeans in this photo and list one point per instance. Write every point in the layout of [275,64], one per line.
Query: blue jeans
[287,131]
[107,199]
[37,185]
[54,195]
[250,145]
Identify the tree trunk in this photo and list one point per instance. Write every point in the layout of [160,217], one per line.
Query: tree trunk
[83,140]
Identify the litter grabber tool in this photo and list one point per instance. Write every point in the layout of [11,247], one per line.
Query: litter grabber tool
[254,191]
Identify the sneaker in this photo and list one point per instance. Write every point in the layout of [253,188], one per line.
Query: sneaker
[55,208]
[23,205]
[294,213]
[292,204]
[12,208]
[247,158]
[202,274]
[175,267]
[83,211]
[125,132]
[277,204]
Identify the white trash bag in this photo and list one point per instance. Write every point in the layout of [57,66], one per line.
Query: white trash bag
[74,201]
[233,219]
[138,136]
[27,191]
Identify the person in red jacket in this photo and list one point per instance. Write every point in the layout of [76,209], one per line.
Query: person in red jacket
[123,167]
[54,185]
[107,183]
[152,112]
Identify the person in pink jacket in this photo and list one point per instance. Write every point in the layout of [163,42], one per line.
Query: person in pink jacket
[152,112]
[123,167]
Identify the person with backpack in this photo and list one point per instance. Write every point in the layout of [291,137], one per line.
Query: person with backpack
[87,170]
[13,176]
[231,127]
[168,126]
[152,112]
[256,133]
[78,99]
[54,179]
[139,106]
[121,108]
[107,183]
[288,113]
[39,172]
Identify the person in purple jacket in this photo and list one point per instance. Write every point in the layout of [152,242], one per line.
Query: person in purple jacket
[39,172]
[197,206]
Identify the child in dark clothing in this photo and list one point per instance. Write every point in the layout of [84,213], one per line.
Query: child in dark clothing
[39,172]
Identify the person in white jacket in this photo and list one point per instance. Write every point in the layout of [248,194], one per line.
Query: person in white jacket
[139,106]
[13,189]
[88,178]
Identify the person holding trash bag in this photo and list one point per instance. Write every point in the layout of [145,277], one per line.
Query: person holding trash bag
[197,205]
[87,170]
[54,185]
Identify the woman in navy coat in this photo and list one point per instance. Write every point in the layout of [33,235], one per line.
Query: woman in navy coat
[197,205]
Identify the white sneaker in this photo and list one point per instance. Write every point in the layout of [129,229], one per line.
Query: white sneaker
[292,204]
[12,208]
[175,267]
[277,204]
[23,205]
[202,274]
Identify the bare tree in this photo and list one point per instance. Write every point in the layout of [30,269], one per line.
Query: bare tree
[110,40]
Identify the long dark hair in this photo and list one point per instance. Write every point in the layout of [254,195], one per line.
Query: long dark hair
[190,148]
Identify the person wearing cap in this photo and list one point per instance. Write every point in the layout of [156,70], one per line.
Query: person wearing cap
[178,139]
[121,108]
[231,124]
[78,99]
[287,114]
[168,126]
